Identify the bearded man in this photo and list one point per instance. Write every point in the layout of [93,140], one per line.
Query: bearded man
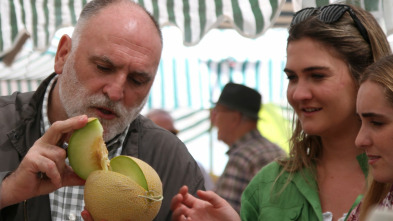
[105,71]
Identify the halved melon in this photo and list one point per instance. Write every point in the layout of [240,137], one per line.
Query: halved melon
[86,149]
[123,188]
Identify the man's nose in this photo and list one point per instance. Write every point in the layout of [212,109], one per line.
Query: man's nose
[114,89]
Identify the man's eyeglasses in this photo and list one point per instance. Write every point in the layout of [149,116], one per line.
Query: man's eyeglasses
[330,14]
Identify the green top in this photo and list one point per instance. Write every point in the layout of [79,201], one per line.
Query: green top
[298,201]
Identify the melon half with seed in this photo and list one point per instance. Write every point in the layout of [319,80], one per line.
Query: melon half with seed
[124,188]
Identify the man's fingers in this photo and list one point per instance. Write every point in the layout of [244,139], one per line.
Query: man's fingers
[39,155]
[86,215]
[49,168]
[60,129]
[58,155]
[71,179]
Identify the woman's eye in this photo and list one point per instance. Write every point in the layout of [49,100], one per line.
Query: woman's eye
[291,77]
[318,76]
[376,123]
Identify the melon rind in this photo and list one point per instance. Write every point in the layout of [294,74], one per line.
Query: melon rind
[128,167]
[113,196]
[86,149]
[132,191]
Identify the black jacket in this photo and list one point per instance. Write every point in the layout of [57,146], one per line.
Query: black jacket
[20,116]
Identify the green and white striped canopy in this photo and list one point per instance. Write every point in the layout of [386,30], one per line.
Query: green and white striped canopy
[41,18]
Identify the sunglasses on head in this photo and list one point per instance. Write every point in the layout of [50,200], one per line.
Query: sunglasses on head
[330,14]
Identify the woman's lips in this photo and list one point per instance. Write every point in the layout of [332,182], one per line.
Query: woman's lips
[309,110]
[372,159]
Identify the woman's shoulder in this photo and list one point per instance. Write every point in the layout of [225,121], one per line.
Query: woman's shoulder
[275,174]
[269,172]
[274,193]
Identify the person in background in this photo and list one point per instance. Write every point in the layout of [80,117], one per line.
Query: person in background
[324,176]
[375,109]
[105,71]
[164,119]
[235,116]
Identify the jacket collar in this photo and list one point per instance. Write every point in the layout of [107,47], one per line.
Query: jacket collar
[307,185]
[27,131]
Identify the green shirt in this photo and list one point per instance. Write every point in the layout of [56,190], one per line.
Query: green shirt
[299,200]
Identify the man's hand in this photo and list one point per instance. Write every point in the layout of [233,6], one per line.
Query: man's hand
[43,169]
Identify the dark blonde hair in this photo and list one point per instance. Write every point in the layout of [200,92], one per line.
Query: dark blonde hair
[380,73]
[346,42]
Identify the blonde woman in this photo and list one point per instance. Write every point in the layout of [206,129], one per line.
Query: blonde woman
[375,109]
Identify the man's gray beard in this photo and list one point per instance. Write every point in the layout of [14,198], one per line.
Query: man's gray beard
[76,101]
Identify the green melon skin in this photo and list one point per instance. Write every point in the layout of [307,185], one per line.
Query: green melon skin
[86,149]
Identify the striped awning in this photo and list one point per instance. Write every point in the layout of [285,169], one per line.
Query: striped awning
[41,18]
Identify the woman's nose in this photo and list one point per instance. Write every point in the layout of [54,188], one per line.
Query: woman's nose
[362,139]
[300,91]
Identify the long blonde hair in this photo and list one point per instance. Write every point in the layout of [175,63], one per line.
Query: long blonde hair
[380,73]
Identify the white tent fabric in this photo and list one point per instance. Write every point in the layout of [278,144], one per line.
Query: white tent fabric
[26,73]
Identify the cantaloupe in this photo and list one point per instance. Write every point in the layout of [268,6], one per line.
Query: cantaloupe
[124,188]
[86,149]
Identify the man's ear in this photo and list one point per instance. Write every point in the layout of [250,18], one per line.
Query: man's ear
[63,51]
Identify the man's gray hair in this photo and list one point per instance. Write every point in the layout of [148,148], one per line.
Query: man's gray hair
[93,7]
